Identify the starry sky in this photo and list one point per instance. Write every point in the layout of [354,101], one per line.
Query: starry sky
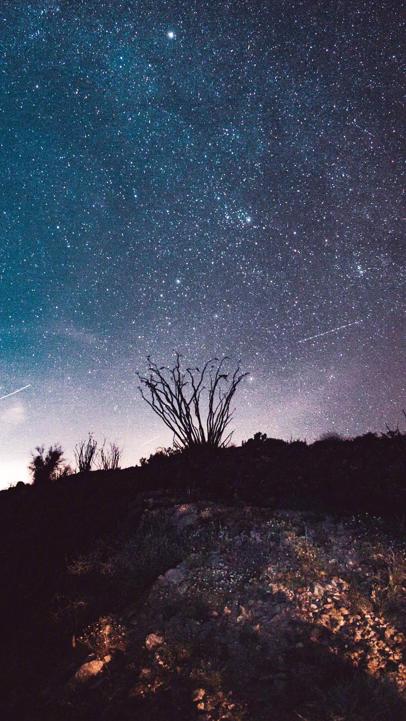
[212,177]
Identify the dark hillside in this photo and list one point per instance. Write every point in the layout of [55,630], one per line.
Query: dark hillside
[50,596]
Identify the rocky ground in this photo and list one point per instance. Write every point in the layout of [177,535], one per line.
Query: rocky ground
[236,614]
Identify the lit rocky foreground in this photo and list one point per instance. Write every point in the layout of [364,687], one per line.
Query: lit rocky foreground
[245,615]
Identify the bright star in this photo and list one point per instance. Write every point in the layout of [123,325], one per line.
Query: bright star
[171,35]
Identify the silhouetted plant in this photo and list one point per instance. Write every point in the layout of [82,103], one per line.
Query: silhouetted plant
[396,436]
[175,395]
[47,466]
[85,453]
[331,436]
[257,439]
[109,459]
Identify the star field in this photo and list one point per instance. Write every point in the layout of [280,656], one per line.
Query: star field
[213,177]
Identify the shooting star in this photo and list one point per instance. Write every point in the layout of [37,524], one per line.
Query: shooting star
[333,330]
[150,440]
[363,130]
[14,392]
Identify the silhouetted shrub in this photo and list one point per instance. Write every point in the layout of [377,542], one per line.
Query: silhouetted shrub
[177,396]
[109,459]
[331,436]
[48,466]
[85,454]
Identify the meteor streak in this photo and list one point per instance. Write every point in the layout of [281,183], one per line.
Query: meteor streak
[14,392]
[364,130]
[326,332]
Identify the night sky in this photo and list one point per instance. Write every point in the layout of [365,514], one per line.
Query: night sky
[212,177]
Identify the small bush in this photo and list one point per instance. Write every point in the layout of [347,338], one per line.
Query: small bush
[48,466]
[85,454]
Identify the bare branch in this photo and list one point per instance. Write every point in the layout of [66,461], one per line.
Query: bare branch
[178,399]
[109,459]
[85,453]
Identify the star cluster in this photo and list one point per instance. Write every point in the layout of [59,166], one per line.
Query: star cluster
[212,177]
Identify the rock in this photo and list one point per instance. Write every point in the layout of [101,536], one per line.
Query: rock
[91,668]
[199,694]
[174,575]
[318,590]
[153,640]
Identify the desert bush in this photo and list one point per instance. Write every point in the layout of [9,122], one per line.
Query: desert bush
[331,436]
[109,458]
[194,404]
[48,466]
[85,454]
[153,549]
